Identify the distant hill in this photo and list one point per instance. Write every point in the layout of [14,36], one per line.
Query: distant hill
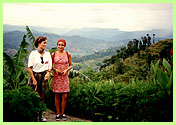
[117,35]
[76,45]
[95,33]
[159,34]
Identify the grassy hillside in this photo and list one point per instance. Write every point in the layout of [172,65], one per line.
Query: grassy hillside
[138,66]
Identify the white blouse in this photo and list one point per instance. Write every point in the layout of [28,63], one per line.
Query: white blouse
[35,61]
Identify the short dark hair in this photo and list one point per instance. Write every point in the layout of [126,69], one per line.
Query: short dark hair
[39,39]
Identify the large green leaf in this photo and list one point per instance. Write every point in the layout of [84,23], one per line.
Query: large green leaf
[156,66]
[159,78]
[152,67]
[167,65]
[97,88]
[31,37]
[162,78]
[169,84]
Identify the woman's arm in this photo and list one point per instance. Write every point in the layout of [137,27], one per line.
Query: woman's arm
[69,61]
[50,63]
[70,64]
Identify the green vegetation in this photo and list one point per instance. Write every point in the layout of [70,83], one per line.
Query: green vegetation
[21,105]
[110,101]
[133,85]
[14,74]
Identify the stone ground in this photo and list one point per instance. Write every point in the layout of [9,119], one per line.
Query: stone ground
[50,116]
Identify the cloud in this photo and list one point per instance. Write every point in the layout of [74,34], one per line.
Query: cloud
[77,15]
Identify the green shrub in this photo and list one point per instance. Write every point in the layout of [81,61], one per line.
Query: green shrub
[87,100]
[21,105]
[109,101]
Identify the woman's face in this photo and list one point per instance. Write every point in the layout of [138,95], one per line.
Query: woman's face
[42,45]
[61,46]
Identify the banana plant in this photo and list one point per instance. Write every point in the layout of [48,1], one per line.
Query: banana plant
[14,73]
[163,77]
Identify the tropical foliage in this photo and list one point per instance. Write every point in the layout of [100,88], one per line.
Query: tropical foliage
[21,105]
[14,73]
[163,77]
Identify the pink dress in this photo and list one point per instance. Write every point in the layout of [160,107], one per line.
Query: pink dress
[60,83]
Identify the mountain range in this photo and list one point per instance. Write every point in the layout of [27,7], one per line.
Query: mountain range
[82,41]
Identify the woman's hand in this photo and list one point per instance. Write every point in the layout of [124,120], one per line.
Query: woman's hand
[35,84]
[34,81]
[47,76]
[58,72]
[65,72]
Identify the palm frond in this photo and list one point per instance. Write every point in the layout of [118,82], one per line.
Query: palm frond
[31,37]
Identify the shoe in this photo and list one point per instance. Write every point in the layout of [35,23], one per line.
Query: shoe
[64,117]
[58,117]
[43,119]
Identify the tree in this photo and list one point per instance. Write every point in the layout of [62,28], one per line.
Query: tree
[123,53]
[129,49]
[135,45]
[140,45]
[153,38]
[148,40]
[144,41]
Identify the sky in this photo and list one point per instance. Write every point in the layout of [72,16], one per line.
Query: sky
[123,16]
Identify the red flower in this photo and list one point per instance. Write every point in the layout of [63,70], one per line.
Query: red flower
[171,51]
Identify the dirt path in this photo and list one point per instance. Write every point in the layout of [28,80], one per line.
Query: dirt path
[50,115]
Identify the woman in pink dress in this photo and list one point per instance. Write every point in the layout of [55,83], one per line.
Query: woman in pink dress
[60,83]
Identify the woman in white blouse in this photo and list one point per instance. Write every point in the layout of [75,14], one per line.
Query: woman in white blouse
[39,67]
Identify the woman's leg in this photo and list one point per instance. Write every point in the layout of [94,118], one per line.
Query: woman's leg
[64,102]
[57,103]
